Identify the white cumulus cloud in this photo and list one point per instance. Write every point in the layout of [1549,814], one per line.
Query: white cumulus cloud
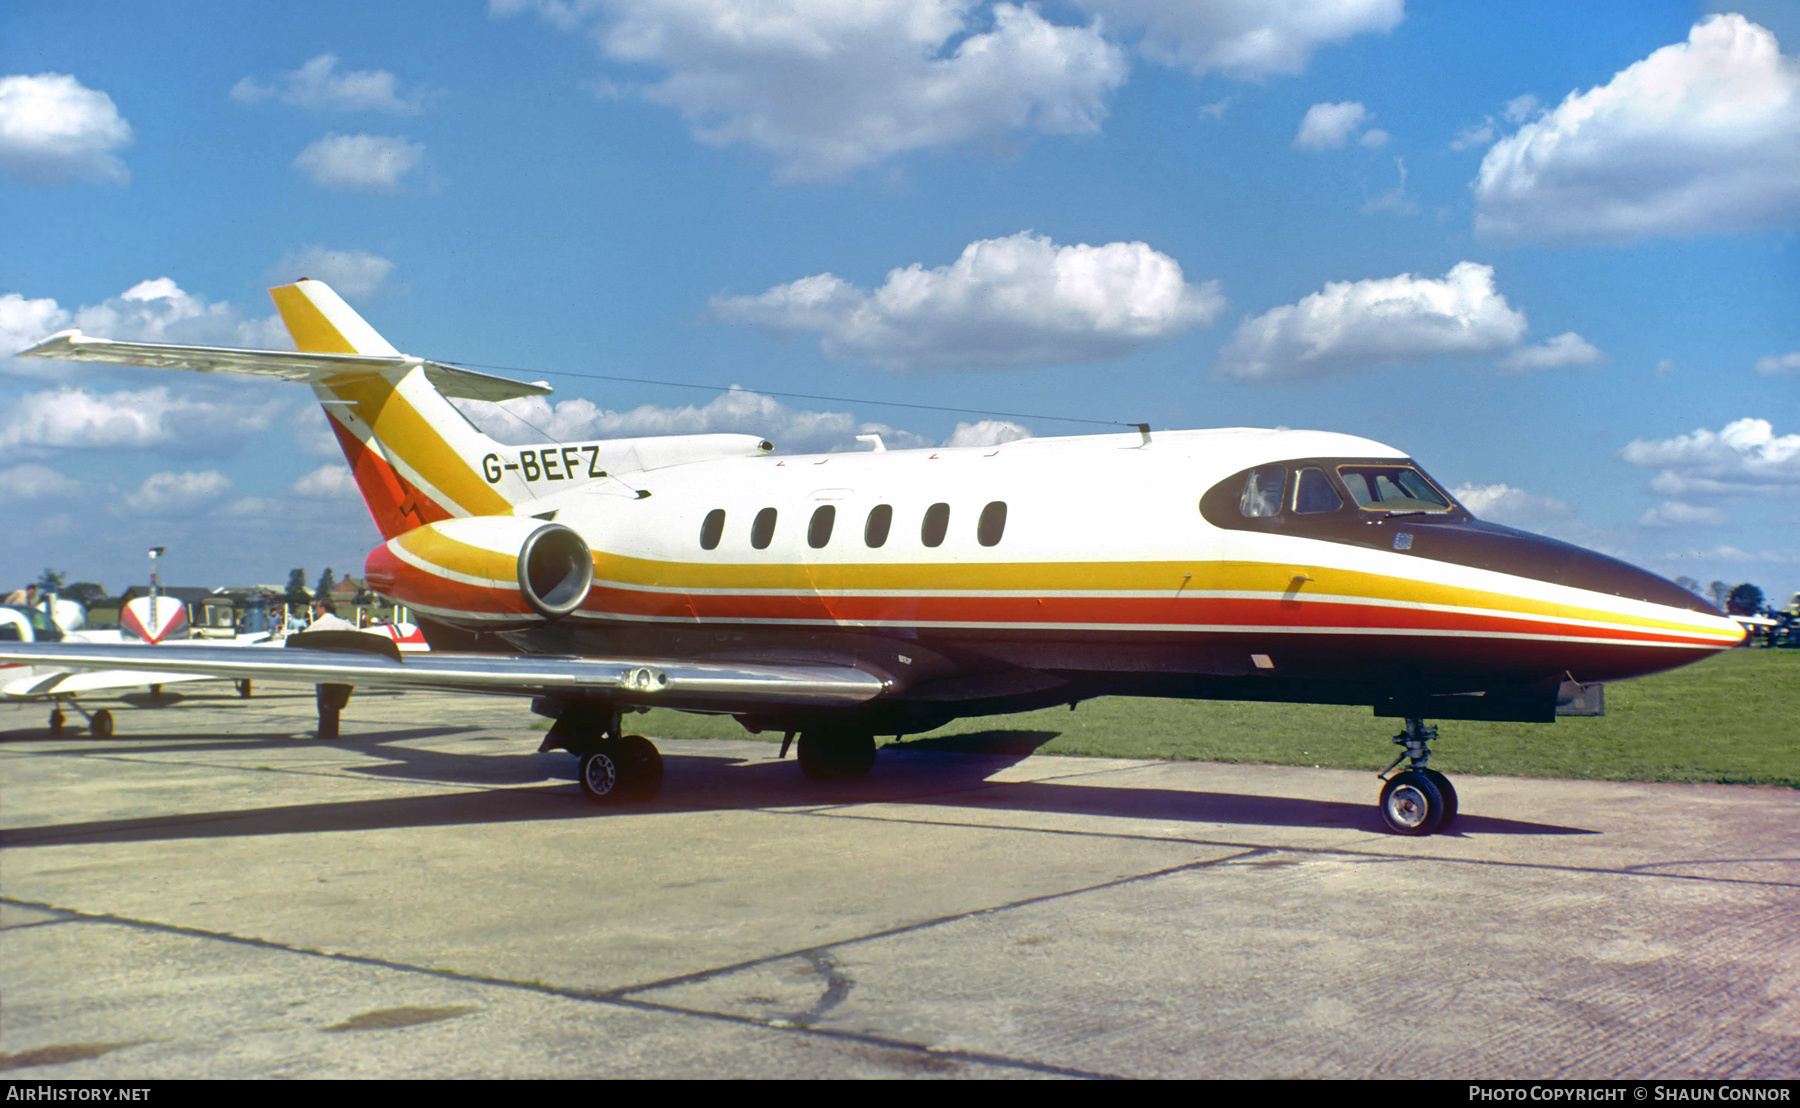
[1774,363]
[1701,136]
[77,418]
[1016,301]
[986,432]
[29,482]
[1329,126]
[828,87]
[369,163]
[1677,513]
[1566,349]
[1246,39]
[1354,325]
[351,273]
[1744,457]
[534,419]
[319,84]
[172,493]
[334,482]
[54,129]
[1502,503]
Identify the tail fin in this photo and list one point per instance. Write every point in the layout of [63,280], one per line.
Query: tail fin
[415,457]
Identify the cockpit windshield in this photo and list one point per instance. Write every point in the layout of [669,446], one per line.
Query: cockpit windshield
[42,627]
[1392,488]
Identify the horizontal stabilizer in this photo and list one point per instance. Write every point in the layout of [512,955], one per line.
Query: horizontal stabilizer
[287,365]
[628,681]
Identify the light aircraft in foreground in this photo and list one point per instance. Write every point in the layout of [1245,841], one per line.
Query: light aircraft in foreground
[844,596]
[144,619]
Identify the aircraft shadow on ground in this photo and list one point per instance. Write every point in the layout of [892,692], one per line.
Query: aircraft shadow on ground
[211,741]
[928,778]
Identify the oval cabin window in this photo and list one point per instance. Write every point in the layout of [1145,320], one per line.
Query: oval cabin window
[992,524]
[712,529]
[881,518]
[762,531]
[818,532]
[936,526]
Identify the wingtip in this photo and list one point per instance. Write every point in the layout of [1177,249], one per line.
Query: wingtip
[61,340]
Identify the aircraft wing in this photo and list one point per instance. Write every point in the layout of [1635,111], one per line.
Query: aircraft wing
[713,686]
[69,682]
[285,365]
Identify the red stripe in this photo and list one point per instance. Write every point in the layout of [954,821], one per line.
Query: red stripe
[396,504]
[392,577]
[410,585]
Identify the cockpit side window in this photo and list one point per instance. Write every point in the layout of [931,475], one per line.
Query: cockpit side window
[1262,492]
[1392,488]
[1313,493]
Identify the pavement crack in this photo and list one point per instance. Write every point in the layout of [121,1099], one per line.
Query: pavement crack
[935,921]
[837,988]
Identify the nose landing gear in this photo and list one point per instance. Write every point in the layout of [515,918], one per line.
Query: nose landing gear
[1418,800]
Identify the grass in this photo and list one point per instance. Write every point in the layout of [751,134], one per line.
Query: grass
[1734,718]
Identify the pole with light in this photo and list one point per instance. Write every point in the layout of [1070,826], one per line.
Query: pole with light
[155,553]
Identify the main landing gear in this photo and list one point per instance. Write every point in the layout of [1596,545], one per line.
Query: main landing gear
[100,723]
[833,755]
[615,767]
[1417,800]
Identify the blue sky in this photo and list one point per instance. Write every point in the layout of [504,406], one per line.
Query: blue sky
[1548,250]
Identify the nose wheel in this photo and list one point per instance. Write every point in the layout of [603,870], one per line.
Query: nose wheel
[1418,800]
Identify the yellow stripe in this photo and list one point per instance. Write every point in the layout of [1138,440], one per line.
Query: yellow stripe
[411,437]
[1027,577]
[311,330]
[428,544]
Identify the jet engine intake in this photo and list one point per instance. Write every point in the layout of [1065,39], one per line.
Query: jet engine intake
[496,572]
[556,569]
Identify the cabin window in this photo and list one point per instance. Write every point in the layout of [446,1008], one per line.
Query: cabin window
[9,632]
[992,524]
[1392,488]
[712,529]
[818,532]
[762,531]
[1262,492]
[1313,492]
[936,526]
[881,518]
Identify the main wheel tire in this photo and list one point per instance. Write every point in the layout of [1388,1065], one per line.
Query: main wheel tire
[328,722]
[101,726]
[57,719]
[604,774]
[836,755]
[1411,804]
[243,688]
[1448,791]
[644,777]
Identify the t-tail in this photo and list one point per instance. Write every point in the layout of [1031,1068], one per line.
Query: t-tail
[415,457]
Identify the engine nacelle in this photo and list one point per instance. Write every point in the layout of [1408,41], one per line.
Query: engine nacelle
[489,571]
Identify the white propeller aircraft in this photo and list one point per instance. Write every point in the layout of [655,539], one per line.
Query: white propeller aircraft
[844,596]
[143,619]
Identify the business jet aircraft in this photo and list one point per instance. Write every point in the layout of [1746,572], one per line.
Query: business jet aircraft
[844,596]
